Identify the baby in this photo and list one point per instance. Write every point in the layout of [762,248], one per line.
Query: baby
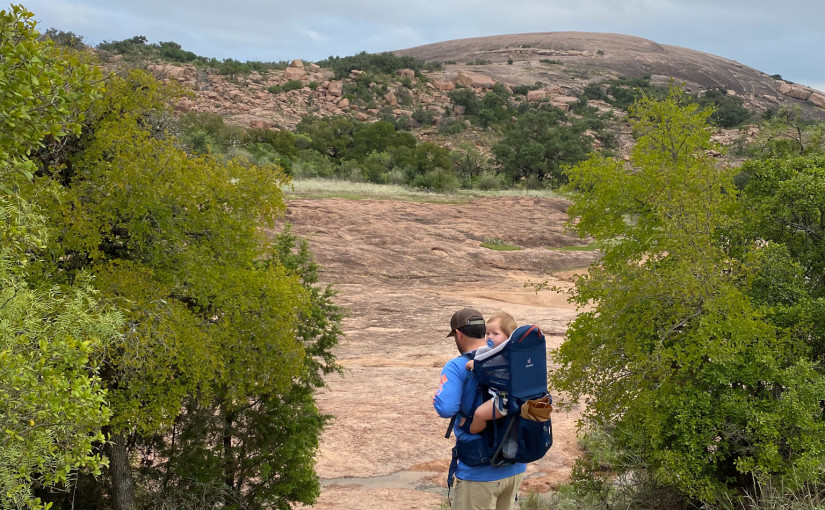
[499,328]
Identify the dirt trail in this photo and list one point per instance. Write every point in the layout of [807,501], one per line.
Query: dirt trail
[401,269]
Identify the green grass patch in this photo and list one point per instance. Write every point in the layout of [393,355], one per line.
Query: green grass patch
[499,245]
[337,188]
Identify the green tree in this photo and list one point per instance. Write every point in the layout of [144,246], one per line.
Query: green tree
[466,97]
[179,243]
[44,90]
[270,460]
[788,133]
[785,200]
[52,402]
[377,137]
[728,111]
[672,353]
[538,145]
[331,136]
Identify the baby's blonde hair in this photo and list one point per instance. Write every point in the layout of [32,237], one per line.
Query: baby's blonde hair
[505,321]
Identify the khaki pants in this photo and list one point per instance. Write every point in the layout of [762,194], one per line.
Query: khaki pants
[496,495]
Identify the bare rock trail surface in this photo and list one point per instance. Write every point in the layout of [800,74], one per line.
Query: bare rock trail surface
[401,269]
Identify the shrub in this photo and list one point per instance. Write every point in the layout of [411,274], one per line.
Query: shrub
[467,98]
[381,63]
[423,117]
[729,111]
[489,180]
[313,164]
[451,126]
[522,90]
[594,91]
[440,180]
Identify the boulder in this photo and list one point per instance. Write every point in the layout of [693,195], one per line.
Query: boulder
[297,63]
[536,95]
[563,102]
[184,105]
[294,73]
[390,98]
[406,73]
[169,71]
[473,79]
[795,91]
[818,99]
[336,88]
[443,85]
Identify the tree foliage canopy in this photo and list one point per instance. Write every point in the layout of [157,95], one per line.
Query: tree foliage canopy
[176,241]
[52,401]
[143,293]
[677,350]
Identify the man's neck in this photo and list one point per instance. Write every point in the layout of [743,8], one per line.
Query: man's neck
[475,343]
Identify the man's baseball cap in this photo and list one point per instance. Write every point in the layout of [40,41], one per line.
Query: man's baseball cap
[465,317]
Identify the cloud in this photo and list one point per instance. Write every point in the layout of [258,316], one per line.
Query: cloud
[315,36]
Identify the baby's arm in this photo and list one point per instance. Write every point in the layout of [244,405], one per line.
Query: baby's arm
[470,365]
[483,413]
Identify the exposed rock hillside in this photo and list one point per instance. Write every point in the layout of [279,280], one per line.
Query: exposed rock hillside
[585,57]
[563,62]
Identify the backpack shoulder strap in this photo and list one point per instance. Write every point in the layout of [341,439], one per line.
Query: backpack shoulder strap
[468,355]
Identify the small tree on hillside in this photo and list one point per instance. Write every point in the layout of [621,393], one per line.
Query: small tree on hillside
[539,145]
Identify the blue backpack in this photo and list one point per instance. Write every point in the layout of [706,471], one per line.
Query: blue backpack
[517,370]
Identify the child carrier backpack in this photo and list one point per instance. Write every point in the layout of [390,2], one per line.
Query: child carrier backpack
[516,371]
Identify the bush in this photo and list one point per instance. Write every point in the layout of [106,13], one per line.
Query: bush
[440,180]
[467,98]
[522,90]
[286,87]
[424,117]
[313,164]
[451,126]
[381,63]
[489,180]
[729,111]
[594,91]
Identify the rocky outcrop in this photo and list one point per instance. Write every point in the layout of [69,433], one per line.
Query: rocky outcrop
[795,91]
[258,99]
[335,88]
[818,99]
[473,79]
[536,95]
[583,57]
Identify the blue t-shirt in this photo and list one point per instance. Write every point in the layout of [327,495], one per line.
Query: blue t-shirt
[451,398]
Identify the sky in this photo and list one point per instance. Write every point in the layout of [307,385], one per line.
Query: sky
[785,38]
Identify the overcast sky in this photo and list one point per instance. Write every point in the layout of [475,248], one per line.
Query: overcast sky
[786,38]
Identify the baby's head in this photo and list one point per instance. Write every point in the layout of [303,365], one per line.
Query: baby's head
[500,326]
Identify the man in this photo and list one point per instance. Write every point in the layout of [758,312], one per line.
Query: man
[483,487]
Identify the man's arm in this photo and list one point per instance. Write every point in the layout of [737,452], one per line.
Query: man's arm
[447,398]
